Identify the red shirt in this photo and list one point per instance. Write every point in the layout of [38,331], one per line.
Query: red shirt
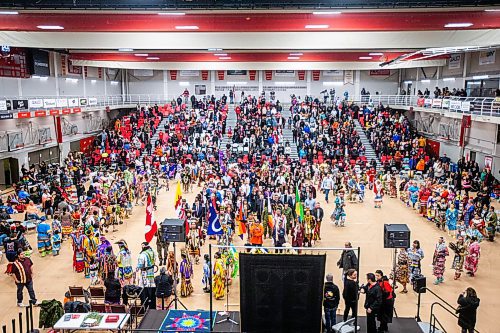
[22,270]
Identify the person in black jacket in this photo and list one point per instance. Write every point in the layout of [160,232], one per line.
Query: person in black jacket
[347,260]
[163,284]
[350,293]
[331,298]
[113,289]
[373,301]
[468,303]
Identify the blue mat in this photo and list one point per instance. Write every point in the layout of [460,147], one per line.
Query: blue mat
[187,321]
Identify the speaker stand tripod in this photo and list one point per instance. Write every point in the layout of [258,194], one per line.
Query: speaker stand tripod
[176,298]
[226,314]
[394,263]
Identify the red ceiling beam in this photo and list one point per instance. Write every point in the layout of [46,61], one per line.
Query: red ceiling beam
[251,22]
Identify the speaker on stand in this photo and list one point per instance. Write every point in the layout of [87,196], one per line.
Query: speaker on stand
[174,231]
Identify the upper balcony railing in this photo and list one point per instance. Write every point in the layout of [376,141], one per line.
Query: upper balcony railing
[484,106]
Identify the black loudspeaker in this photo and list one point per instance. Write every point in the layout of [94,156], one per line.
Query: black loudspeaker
[173,230]
[281,293]
[419,282]
[396,236]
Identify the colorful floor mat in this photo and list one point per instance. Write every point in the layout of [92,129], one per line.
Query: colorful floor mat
[187,321]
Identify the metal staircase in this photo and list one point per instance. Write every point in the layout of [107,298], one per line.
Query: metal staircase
[155,136]
[369,151]
[288,134]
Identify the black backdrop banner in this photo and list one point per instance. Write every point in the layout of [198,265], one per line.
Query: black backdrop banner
[281,293]
[39,62]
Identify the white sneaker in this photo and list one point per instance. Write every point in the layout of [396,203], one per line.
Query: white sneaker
[21,305]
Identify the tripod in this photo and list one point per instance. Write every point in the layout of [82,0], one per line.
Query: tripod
[225,314]
[394,278]
[176,298]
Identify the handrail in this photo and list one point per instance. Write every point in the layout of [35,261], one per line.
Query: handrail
[434,318]
[436,295]
[447,310]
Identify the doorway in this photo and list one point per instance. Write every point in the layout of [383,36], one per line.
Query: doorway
[9,172]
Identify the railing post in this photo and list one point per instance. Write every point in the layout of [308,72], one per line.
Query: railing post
[20,322]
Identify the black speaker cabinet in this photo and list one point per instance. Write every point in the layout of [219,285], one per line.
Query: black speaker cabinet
[396,236]
[419,282]
[173,230]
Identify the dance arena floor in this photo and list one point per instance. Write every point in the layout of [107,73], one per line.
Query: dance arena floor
[364,228]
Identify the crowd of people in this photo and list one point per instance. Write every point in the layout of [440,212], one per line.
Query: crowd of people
[255,193]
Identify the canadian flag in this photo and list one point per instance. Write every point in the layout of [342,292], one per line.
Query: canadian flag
[151,226]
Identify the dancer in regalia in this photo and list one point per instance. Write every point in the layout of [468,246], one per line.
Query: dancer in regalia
[439,261]
[89,247]
[194,242]
[219,277]
[378,190]
[460,250]
[124,261]
[186,270]
[416,254]
[78,251]
[472,258]
[206,274]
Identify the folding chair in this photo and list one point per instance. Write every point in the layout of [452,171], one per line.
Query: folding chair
[76,292]
[118,308]
[96,293]
[98,307]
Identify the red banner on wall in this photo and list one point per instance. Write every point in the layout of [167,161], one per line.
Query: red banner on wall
[77,110]
[65,111]
[269,75]
[173,75]
[40,113]
[57,124]
[315,75]
[204,75]
[302,75]
[24,115]
[380,72]
[252,74]
[220,75]
[54,112]
[466,123]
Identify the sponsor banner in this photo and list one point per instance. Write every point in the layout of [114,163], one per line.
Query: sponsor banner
[4,116]
[465,107]
[428,102]
[54,112]
[35,103]
[49,103]
[455,105]
[349,76]
[92,101]
[380,72]
[83,102]
[65,111]
[20,104]
[286,73]
[73,102]
[62,102]
[333,73]
[446,103]
[488,162]
[24,114]
[487,57]
[190,73]
[236,72]
[436,103]
[8,104]
[40,62]
[454,61]
[3,105]
[143,72]
[421,102]
[77,110]
[40,113]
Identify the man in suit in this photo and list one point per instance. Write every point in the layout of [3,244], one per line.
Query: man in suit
[373,302]
[318,214]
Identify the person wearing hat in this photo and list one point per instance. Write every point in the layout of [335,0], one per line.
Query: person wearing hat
[256,231]
[146,269]
[162,246]
[22,273]
[164,286]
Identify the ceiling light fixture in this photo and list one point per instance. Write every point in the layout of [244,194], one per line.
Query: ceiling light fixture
[376,54]
[114,83]
[327,13]
[141,54]
[215,49]
[297,54]
[365,58]
[44,78]
[184,83]
[407,82]
[125,49]
[220,54]
[293,58]
[172,13]
[284,83]
[317,26]
[230,83]
[93,81]
[35,76]
[50,27]
[449,79]
[8,13]
[187,27]
[425,81]
[69,79]
[153,58]
[492,10]
[458,25]
[225,58]
[480,77]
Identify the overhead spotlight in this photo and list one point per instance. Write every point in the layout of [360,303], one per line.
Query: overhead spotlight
[458,25]
[317,26]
